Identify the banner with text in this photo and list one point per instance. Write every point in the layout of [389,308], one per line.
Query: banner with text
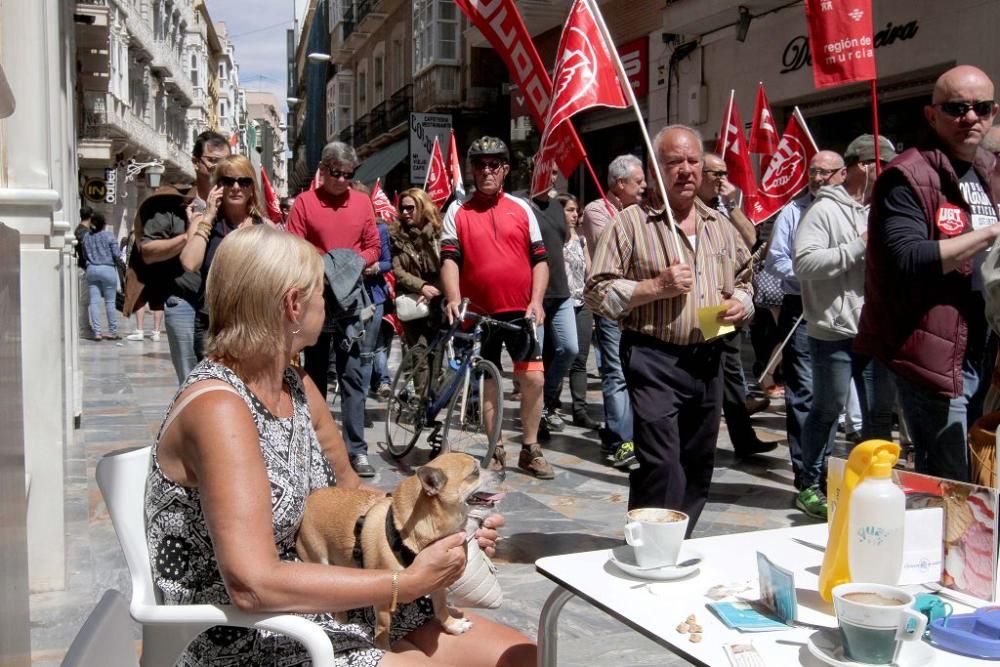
[787,173]
[425,128]
[840,38]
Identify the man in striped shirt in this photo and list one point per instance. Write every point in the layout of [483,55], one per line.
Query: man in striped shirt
[655,289]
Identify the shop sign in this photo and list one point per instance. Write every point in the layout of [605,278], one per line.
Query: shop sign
[635,60]
[796,53]
[111,180]
[424,128]
[95,190]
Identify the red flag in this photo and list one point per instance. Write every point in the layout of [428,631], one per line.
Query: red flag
[500,23]
[436,185]
[732,147]
[318,178]
[585,77]
[380,200]
[787,173]
[763,134]
[840,41]
[455,167]
[270,198]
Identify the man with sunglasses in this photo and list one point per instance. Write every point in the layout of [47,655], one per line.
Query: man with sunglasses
[492,253]
[330,217]
[933,217]
[166,217]
[825,168]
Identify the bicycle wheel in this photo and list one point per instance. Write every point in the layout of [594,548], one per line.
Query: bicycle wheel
[468,427]
[406,406]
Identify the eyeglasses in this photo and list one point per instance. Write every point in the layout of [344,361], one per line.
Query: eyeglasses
[229,181]
[717,174]
[408,209]
[823,173]
[337,173]
[982,108]
[483,165]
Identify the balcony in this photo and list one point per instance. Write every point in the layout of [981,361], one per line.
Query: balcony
[369,14]
[399,106]
[354,36]
[346,135]
[436,88]
[379,123]
[361,130]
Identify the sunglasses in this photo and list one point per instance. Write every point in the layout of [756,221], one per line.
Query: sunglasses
[824,173]
[982,109]
[483,165]
[229,181]
[718,174]
[411,207]
[336,173]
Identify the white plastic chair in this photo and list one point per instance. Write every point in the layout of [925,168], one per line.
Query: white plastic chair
[168,629]
[105,639]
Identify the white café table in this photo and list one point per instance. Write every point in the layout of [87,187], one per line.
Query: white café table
[725,559]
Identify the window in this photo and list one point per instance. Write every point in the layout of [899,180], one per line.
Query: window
[344,111]
[194,70]
[435,34]
[378,73]
[362,87]
[222,70]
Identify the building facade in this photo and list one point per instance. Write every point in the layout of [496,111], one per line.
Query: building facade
[269,132]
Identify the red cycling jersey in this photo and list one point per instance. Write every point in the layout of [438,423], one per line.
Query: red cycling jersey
[495,240]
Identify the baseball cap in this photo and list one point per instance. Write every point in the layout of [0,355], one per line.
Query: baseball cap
[863,148]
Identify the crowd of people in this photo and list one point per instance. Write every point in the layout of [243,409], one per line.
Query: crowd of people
[878,285]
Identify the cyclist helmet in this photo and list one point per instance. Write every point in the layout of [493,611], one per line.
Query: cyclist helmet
[489,147]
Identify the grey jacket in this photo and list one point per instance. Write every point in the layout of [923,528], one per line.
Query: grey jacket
[829,261]
[348,306]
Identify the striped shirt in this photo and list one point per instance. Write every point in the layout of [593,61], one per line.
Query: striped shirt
[638,247]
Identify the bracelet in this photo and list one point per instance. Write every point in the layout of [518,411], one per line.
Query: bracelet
[395,592]
[202,235]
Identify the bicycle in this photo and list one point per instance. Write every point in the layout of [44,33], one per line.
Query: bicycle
[459,385]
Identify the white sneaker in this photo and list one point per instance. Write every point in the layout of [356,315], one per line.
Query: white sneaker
[155,337]
[135,335]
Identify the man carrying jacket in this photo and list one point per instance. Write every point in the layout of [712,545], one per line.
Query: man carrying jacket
[933,217]
[829,262]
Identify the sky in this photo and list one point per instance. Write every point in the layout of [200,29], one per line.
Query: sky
[257,28]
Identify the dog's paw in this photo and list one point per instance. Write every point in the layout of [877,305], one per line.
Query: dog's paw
[456,626]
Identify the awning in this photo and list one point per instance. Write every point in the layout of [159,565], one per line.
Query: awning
[381,163]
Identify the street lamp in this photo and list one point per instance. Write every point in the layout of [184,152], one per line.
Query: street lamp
[292,100]
[154,171]
[319,57]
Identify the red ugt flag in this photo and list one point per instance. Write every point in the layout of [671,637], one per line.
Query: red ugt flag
[840,41]
[732,148]
[500,23]
[788,171]
[585,77]
[270,198]
[455,167]
[436,184]
[383,207]
[763,134]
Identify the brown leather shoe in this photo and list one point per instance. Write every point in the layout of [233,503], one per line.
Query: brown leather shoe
[531,460]
[499,460]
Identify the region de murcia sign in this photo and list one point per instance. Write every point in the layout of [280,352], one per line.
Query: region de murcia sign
[796,53]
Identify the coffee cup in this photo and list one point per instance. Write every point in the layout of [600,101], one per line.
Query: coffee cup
[655,535]
[875,620]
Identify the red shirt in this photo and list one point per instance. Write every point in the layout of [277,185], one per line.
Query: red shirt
[344,221]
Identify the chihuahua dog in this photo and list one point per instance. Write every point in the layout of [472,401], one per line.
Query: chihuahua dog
[357,528]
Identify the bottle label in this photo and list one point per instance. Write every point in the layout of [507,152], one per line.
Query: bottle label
[873,535]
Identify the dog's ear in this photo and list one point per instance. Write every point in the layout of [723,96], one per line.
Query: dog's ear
[432,479]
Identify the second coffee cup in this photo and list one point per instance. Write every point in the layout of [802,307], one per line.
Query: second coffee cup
[655,535]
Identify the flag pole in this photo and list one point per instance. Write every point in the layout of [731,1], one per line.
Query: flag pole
[728,121]
[878,156]
[805,128]
[624,82]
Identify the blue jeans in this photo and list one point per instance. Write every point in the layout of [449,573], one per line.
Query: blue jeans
[102,283]
[797,371]
[834,367]
[178,321]
[939,426]
[380,360]
[617,407]
[562,347]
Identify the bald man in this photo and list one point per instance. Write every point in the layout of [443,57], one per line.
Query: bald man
[933,216]
[673,368]
[826,168]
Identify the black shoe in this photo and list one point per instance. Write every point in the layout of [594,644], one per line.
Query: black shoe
[853,437]
[586,422]
[757,404]
[755,447]
[362,466]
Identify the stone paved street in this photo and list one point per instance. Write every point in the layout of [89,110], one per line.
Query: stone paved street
[127,386]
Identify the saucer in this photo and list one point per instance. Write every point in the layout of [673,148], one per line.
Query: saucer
[623,558]
[827,646]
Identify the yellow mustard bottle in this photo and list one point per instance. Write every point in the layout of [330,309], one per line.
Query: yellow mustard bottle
[836,570]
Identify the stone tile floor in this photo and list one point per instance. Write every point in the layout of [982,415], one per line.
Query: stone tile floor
[127,386]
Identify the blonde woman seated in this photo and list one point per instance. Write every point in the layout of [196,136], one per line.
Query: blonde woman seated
[246,440]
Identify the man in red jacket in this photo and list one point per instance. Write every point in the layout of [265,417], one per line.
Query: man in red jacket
[933,216]
[495,240]
[335,216]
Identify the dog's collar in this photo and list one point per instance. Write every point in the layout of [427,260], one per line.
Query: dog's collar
[403,553]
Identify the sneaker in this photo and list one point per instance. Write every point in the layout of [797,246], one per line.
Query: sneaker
[155,336]
[138,335]
[586,422]
[553,421]
[775,391]
[532,460]
[384,391]
[362,466]
[812,501]
[624,456]
[499,460]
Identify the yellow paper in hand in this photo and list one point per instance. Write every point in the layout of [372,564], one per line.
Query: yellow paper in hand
[708,322]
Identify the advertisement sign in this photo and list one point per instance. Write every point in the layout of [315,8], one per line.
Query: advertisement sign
[841,40]
[635,59]
[424,129]
[95,190]
[111,181]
